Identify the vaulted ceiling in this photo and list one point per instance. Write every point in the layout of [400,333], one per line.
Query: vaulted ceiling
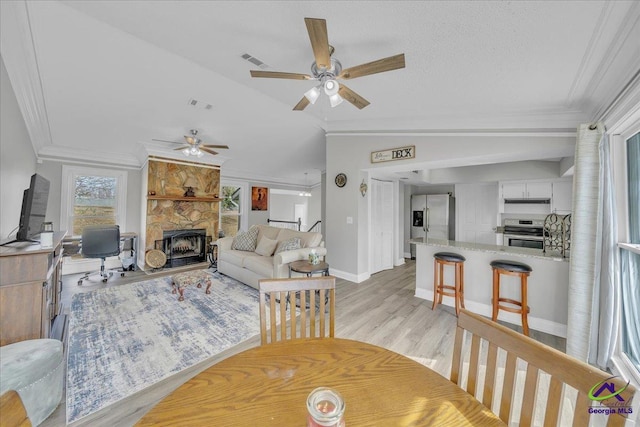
[100,80]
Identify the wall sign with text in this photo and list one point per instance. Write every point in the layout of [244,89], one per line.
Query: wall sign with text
[401,153]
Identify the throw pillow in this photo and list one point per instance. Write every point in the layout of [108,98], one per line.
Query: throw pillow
[288,245]
[246,240]
[266,246]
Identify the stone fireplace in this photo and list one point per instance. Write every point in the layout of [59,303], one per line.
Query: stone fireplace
[169,211]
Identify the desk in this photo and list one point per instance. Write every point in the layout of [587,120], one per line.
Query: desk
[129,241]
[269,385]
[30,288]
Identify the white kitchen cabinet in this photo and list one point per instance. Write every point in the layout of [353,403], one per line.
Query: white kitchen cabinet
[526,190]
[562,199]
[476,213]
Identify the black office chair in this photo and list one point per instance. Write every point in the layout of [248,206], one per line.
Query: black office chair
[100,241]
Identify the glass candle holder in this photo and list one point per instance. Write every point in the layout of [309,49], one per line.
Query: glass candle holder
[326,408]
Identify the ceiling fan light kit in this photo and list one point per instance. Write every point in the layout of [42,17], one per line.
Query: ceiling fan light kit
[327,70]
[313,94]
[335,100]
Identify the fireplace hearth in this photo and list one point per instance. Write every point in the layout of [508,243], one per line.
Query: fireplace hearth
[184,247]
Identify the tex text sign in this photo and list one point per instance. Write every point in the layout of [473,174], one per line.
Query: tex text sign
[400,153]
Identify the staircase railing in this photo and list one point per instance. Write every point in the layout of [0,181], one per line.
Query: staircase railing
[315,227]
[293,225]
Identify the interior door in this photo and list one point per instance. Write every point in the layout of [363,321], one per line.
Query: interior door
[381,225]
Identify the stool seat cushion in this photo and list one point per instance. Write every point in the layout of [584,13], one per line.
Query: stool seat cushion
[514,266]
[449,256]
[189,278]
[33,368]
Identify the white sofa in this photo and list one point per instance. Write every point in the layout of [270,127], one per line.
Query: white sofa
[249,267]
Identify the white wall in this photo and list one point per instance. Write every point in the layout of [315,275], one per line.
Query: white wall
[347,244]
[17,158]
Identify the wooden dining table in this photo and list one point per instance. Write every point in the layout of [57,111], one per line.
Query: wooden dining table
[269,385]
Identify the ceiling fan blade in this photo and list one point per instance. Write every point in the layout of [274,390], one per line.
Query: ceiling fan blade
[215,146]
[352,97]
[280,75]
[208,151]
[381,65]
[302,104]
[317,29]
[179,148]
[164,140]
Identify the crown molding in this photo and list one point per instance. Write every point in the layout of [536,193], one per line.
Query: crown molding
[622,57]
[88,157]
[18,53]
[549,133]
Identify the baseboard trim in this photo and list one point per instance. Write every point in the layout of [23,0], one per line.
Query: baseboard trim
[536,323]
[349,276]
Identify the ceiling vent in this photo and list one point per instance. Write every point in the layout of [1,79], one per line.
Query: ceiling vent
[254,61]
[200,104]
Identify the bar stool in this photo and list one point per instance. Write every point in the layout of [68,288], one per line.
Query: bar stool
[511,268]
[440,259]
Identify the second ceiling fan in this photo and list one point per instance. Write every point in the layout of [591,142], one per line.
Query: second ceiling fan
[327,70]
[194,145]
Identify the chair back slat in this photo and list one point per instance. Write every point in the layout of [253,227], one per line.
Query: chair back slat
[507,387]
[529,397]
[312,315]
[490,376]
[290,321]
[303,315]
[565,375]
[581,416]
[457,354]
[473,365]
[12,411]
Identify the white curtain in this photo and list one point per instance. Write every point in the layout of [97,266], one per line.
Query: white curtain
[593,280]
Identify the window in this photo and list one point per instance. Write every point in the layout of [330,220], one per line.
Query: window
[626,161]
[233,212]
[92,197]
[630,259]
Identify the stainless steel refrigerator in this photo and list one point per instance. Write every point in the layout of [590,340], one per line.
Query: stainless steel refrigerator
[432,216]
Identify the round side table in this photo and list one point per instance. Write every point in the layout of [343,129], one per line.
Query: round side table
[305,267]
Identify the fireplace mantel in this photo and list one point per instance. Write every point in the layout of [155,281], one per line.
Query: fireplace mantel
[185,199]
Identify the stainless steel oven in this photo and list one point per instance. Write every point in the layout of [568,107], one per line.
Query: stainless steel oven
[523,233]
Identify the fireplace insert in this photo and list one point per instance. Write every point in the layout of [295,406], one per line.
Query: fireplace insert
[184,247]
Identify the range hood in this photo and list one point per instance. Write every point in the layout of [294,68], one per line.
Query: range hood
[527,201]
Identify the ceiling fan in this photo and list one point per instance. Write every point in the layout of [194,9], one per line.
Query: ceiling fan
[194,145]
[327,70]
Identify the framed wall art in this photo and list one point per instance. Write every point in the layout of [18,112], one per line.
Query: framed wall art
[259,198]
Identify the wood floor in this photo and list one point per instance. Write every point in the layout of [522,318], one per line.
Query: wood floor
[382,311]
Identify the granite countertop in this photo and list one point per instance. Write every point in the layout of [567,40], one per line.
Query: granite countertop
[496,249]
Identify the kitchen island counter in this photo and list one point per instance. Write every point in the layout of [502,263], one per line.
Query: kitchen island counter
[547,284]
[494,249]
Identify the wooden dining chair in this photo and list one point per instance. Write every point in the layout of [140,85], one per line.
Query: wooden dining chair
[12,411]
[295,298]
[568,376]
